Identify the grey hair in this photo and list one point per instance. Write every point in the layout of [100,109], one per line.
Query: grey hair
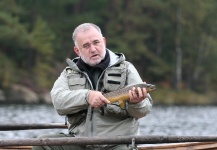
[83,27]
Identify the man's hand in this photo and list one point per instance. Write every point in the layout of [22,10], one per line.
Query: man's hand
[137,95]
[96,99]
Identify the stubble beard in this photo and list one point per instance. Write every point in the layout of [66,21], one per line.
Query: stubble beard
[94,62]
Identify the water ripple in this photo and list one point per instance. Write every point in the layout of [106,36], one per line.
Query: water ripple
[167,120]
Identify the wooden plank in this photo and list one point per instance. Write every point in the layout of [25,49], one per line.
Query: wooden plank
[30,126]
[16,148]
[181,146]
[106,140]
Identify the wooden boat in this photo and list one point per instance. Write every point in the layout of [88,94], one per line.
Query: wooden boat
[145,142]
[208,144]
[172,146]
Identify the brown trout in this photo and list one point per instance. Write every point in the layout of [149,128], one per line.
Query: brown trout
[122,94]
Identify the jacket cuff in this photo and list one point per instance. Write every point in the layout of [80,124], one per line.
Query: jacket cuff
[86,97]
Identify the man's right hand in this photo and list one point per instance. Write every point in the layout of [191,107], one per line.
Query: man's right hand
[96,99]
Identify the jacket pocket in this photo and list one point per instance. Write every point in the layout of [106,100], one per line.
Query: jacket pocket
[77,118]
[115,77]
[115,111]
[76,83]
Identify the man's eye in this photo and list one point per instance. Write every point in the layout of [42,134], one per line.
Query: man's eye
[86,45]
[95,42]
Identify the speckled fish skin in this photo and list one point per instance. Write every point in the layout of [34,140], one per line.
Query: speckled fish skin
[122,94]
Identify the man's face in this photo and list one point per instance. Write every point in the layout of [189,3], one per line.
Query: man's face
[90,46]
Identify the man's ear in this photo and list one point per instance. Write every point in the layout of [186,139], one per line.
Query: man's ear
[104,40]
[76,51]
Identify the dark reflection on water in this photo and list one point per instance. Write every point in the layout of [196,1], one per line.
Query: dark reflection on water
[163,120]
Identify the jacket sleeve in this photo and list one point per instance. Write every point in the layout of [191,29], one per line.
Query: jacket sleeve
[68,101]
[144,107]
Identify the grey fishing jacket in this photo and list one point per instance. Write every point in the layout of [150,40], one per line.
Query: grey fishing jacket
[70,93]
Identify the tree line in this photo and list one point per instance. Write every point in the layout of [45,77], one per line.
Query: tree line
[171,43]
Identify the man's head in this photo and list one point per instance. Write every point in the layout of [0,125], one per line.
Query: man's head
[90,45]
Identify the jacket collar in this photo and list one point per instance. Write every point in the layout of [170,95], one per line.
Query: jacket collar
[115,58]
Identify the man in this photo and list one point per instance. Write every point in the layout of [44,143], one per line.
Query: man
[77,93]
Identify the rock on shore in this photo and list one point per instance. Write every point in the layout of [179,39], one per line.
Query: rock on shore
[2,96]
[22,94]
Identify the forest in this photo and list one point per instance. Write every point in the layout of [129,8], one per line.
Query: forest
[173,44]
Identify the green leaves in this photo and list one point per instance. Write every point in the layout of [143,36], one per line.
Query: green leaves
[35,37]
[41,39]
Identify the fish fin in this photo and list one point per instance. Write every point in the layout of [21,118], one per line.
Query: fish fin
[121,103]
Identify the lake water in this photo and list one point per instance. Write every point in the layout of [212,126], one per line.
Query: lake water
[163,120]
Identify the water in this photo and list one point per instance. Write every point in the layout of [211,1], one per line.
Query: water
[167,120]
[181,120]
[29,114]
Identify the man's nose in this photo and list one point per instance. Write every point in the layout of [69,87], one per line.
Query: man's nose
[92,48]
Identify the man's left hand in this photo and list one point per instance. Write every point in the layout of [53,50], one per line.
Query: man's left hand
[137,95]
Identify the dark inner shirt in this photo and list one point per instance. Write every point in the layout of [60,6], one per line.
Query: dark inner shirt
[94,71]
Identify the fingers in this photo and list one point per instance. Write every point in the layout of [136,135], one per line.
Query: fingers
[137,94]
[102,98]
[144,91]
[96,99]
